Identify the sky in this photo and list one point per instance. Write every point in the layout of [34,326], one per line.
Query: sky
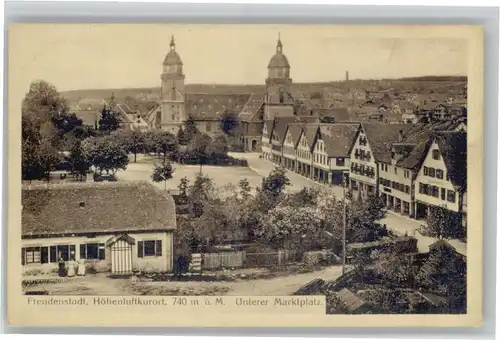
[95,56]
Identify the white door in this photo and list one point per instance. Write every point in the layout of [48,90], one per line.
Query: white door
[121,257]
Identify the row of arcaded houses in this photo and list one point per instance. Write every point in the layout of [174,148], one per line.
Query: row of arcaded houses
[410,166]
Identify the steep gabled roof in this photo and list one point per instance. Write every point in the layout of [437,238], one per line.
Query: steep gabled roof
[203,106]
[419,135]
[280,126]
[310,131]
[295,130]
[453,147]
[253,105]
[269,124]
[338,138]
[381,136]
[95,208]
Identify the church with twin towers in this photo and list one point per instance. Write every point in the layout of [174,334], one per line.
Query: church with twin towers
[177,105]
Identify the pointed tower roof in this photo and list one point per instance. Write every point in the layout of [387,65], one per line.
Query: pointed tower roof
[172,57]
[279,60]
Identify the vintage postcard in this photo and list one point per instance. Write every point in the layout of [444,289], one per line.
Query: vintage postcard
[245,175]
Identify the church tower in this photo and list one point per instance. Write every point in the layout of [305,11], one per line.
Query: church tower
[173,111]
[279,101]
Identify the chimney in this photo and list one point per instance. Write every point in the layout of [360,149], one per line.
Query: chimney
[347,75]
[400,138]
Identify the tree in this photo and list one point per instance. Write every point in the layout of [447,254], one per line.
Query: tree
[395,268]
[182,138]
[201,193]
[361,216]
[199,147]
[190,129]
[106,153]
[43,103]
[442,223]
[444,272]
[162,172]
[291,228]
[334,305]
[40,106]
[134,142]
[217,148]
[245,188]
[163,143]
[229,123]
[276,182]
[306,197]
[109,121]
[78,160]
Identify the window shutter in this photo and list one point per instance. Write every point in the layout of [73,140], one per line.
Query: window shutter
[23,256]
[140,247]
[83,251]
[102,251]
[53,254]
[158,248]
[44,254]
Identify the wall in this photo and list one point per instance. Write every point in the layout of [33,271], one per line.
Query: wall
[173,112]
[162,263]
[209,127]
[288,146]
[281,110]
[399,177]
[320,158]
[367,163]
[303,150]
[441,183]
[335,167]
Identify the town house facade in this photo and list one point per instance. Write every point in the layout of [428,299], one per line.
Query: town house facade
[442,178]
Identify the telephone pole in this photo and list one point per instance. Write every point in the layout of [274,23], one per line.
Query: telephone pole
[344,227]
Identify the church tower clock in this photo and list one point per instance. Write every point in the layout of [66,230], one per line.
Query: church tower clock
[173,112]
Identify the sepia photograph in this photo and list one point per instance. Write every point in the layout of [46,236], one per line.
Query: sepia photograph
[257,161]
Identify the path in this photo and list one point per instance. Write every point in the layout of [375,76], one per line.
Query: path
[286,285]
[102,285]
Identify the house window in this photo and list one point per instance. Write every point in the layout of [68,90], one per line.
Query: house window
[65,251]
[395,170]
[35,255]
[208,127]
[407,189]
[92,251]
[149,248]
[340,162]
[435,191]
[439,173]
[451,196]
[367,155]
[435,154]
[443,194]
[420,188]
[432,172]
[407,174]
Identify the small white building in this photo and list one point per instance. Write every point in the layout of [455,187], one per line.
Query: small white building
[121,227]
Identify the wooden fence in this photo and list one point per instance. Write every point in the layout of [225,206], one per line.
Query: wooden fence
[241,259]
[234,259]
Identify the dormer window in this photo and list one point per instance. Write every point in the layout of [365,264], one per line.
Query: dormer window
[435,154]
